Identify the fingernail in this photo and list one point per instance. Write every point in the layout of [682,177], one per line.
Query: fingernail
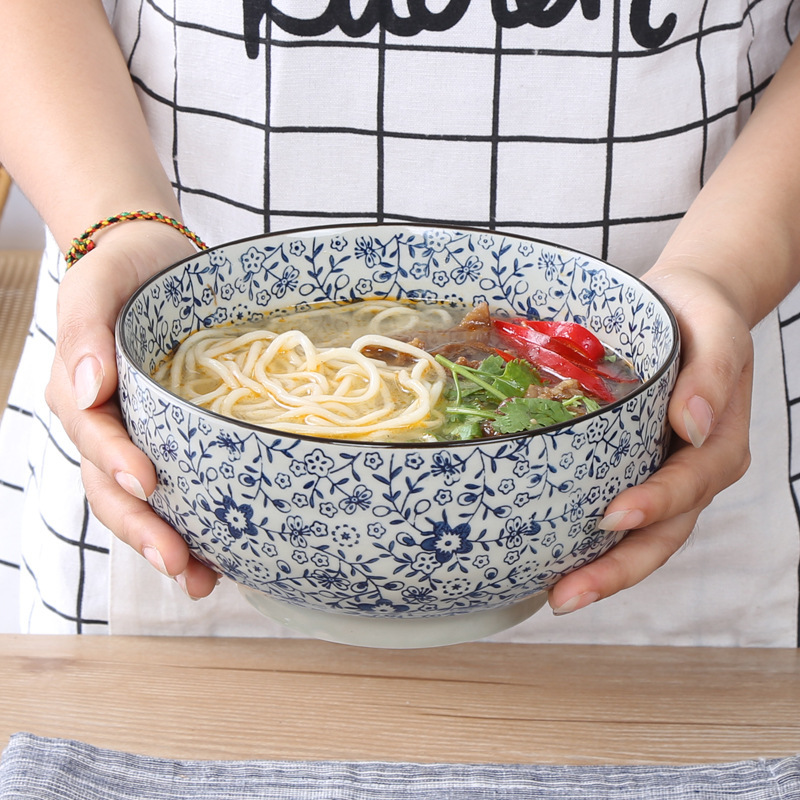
[621,520]
[698,417]
[130,484]
[87,381]
[181,581]
[154,557]
[574,603]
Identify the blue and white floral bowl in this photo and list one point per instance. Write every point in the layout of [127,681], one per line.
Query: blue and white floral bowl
[394,545]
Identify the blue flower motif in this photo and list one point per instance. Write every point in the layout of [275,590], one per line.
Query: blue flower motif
[614,321]
[173,290]
[262,297]
[237,518]
[297,248]
[295,526]
[599,282]
[426,563]
[169,448]
[443,496]
[207,296]
[233,446]
[373,460]
[338,243]
[364,287]
[217,258]
[437,240]
[298,468]
[283,480]
[622,448]
[375,530]
[446,467]
[414,461]
[327,509]
[446,542]
[300,499]
[526,249]
[287,282]
[366,250]
[226,292]
[418,594]
[469,270]
[441,278]
[485,241]
[253,260]
[226,470]
[506,486]
[317,463]
[358,500]
[550,265]
[330,580]
[346,535]
[320,560]
[420,269]
[382,607]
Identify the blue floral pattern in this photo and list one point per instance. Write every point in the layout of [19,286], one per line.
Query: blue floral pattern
[394,530]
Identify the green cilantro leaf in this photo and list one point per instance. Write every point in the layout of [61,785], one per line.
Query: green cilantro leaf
[529,413]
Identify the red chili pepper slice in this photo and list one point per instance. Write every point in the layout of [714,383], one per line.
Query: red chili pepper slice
[582,338]
[541,350]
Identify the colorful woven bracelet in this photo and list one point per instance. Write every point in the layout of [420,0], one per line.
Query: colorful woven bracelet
[84,243]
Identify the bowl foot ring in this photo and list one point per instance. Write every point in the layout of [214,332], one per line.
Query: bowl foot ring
[385,632]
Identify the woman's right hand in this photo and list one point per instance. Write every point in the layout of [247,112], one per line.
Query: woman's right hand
[117,476]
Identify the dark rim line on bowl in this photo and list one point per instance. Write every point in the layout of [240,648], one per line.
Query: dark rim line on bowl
[416,227]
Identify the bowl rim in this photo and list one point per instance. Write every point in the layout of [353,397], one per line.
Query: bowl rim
[123,349]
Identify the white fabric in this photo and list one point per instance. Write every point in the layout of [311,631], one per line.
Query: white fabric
[596,133]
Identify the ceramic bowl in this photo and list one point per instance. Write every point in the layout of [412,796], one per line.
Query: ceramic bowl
[394,545]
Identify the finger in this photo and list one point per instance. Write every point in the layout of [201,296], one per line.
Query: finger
[88,300]
[716,348]
[101,438]
[638,555]
[136,524]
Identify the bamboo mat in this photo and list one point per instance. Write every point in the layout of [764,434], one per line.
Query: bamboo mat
[18,274]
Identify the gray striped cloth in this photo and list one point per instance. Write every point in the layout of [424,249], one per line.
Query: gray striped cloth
[34,768]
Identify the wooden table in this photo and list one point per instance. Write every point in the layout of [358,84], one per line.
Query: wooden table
[299,699]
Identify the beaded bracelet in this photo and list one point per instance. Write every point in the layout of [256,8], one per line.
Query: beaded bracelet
[84,243]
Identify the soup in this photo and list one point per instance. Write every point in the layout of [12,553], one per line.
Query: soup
[397,371]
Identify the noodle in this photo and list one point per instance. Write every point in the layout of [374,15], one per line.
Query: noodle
[282,379]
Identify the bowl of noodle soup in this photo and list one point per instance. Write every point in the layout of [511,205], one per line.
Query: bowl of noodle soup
[311,447]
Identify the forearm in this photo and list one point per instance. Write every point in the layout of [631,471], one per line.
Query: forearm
[742,231]
[73,135]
